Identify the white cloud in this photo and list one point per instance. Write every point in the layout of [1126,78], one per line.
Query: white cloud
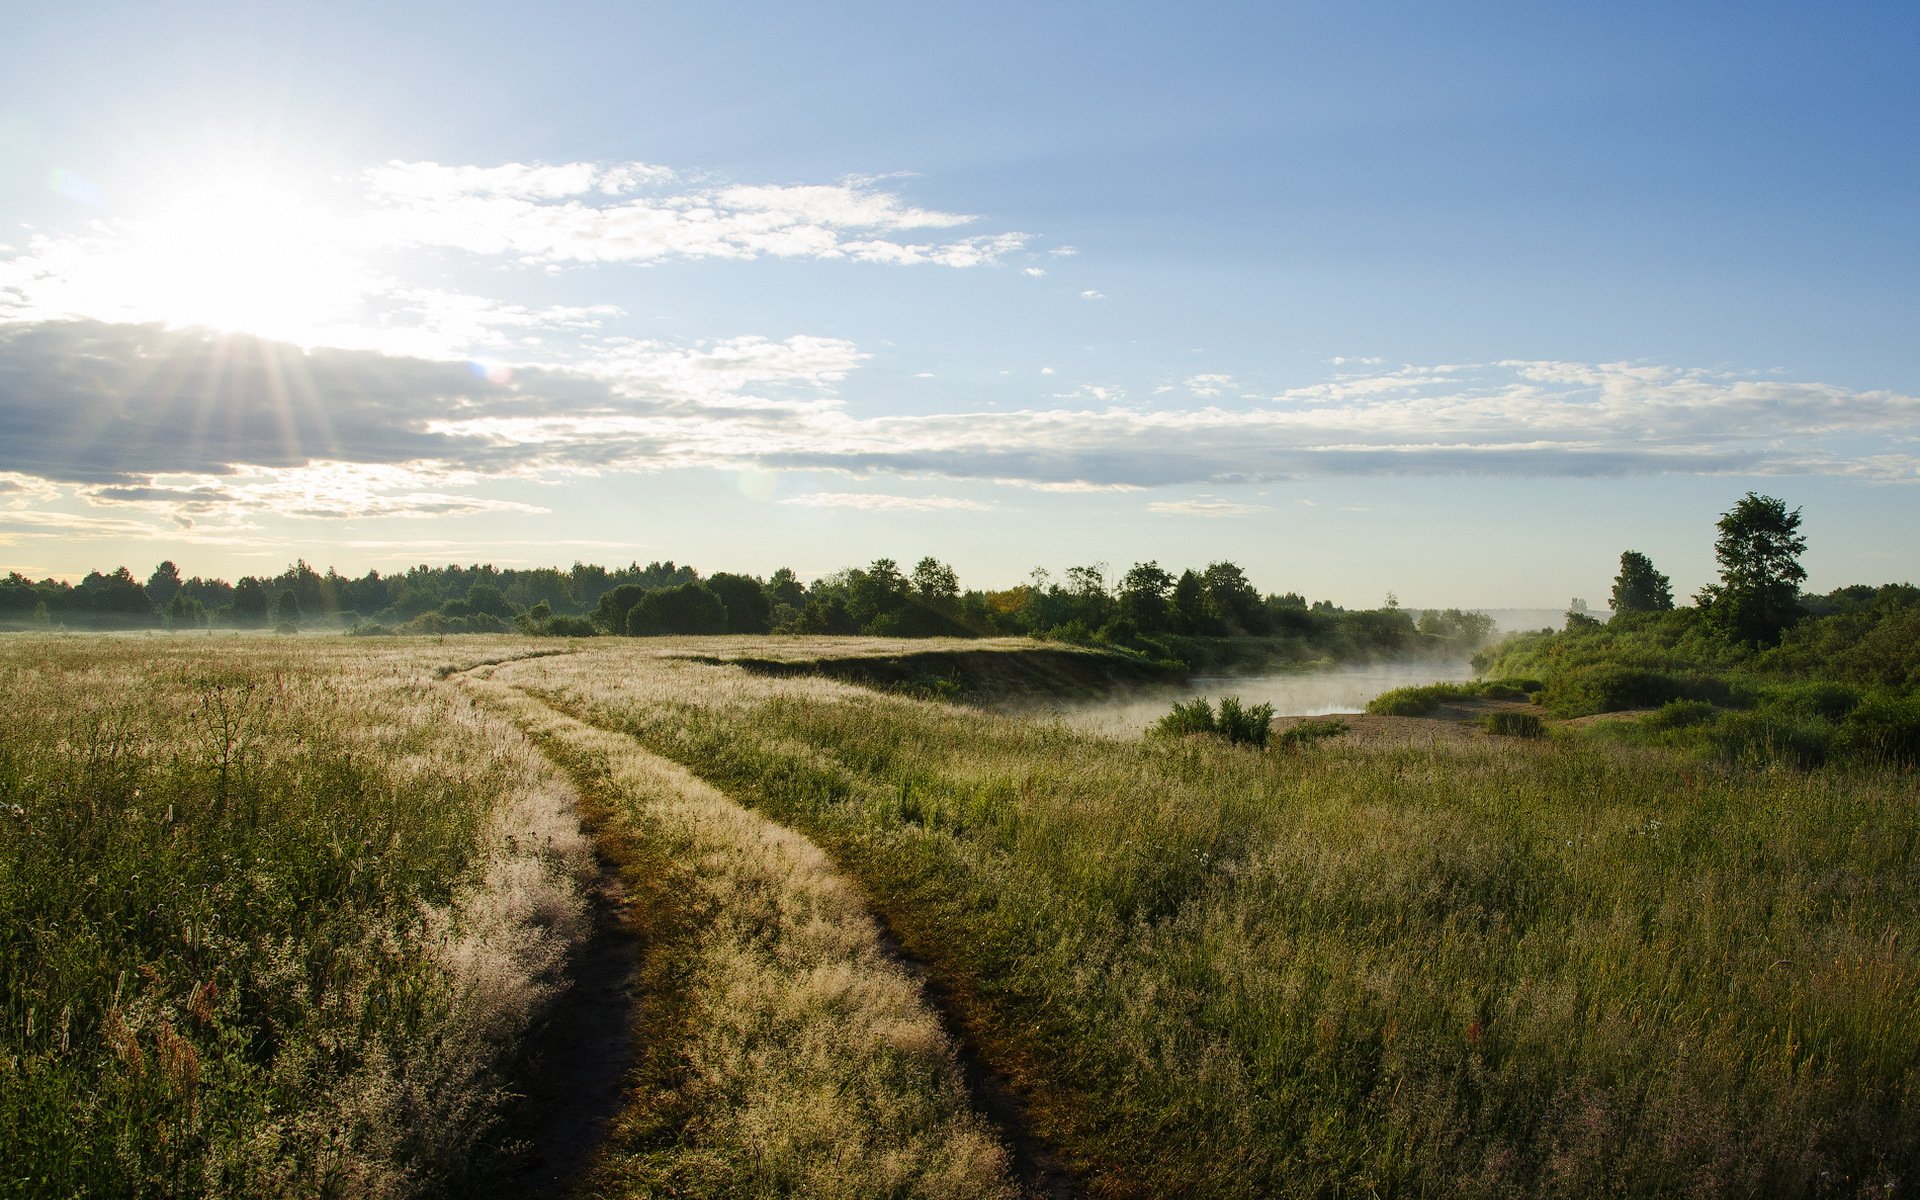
[587,213]
[1091,294]
[1205,508]
[1035,272]
[878,501]
[357,432]
[1209,386]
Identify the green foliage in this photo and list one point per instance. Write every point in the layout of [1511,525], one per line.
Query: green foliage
[745,601]
[1514,724]
[1639,588]
[689,608]
[1681,714]
[220,968]
[1759,549]
[1477,970]
[1238,723]
[1882,729]
[1311,732]
[1188,717]
[1605,687]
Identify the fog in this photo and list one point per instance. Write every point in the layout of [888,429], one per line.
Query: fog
[1300,693]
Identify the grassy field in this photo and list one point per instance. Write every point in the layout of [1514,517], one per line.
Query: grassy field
[279,913]
[1498,967]
[273,917]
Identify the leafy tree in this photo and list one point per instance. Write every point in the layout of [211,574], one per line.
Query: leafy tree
[185,612]
[163,583]
[1190,604]
[689,608]
[1639,588]
[249,602]
[748,610]
[875,594]
[1233,599]
[489,599]
[611,612]
[1144,594]
[784,587]
[286,610]
[1759,548]
[935,581]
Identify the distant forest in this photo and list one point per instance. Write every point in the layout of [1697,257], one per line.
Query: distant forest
[1141,609]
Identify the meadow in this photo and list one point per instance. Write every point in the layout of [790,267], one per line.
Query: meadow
[281,913]
[1509,967]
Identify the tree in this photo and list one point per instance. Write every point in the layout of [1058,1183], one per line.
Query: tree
[1759,549]
[185,612]
[688,608]
[1233,599]
[488,598]
[934,581]
[1144,594]
[286,610]
[748,610]
[1639,588]
[1189,604]
[611,612]
[163,583]
[249,602]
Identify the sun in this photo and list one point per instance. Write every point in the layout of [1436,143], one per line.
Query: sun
[237,253]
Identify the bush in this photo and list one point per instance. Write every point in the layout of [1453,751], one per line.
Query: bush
[1514,724]
[1414,701]
[1882,730]
[1766,737]
[688,608]
[1239,724]
[1604,687]
[1312,731]
[1243,725]
[1681,714]
[1194,716]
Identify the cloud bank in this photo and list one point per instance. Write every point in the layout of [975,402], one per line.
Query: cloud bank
[198,422]
[635,212]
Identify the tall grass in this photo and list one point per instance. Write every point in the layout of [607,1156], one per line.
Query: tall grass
[1491,969]
[784,1051]
[272,914]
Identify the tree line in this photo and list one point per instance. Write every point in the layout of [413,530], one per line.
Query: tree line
[1082,604]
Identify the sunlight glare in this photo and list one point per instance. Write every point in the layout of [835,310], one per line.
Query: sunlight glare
[240,254]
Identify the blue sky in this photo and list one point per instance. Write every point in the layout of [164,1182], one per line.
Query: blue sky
[1453,301]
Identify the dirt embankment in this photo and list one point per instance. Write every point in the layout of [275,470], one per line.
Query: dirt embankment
[978,675]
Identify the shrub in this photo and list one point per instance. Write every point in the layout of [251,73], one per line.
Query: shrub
[1245,725]
[1766,737]
[1514,724]
[1605,687]
[1194,716]
[1680,714]
[1413,701]
[1312,731]
[1882,729]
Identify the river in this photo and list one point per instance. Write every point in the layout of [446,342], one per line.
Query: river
[1299,693]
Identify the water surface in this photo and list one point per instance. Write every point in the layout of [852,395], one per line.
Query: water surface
[1299,693]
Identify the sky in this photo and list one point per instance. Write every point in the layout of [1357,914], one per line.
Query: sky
[1452,301]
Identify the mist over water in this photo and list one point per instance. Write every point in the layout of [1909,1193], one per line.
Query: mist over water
[1296,694]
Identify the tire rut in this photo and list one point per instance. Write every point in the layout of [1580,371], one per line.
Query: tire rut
[588,1048]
